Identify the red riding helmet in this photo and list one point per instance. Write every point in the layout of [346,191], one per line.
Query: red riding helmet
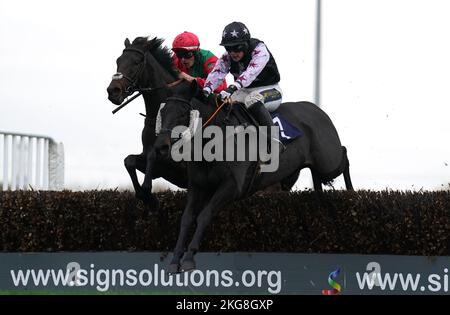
[186,41]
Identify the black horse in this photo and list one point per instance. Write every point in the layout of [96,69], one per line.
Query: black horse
[146,66]
[217,183]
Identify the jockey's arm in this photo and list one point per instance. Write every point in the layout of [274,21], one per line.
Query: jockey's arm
[260,58]
[217,76]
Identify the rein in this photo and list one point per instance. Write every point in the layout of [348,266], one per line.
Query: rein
[213,115]
[141,90]
[188,103]
[219,107]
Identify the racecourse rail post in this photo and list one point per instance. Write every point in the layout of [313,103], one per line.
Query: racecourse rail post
[30,162]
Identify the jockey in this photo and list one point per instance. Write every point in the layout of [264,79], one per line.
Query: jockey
[194,63]
[254,70]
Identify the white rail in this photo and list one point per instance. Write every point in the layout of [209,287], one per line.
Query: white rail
[31,162]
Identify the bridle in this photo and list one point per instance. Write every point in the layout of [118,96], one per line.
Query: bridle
[133,82]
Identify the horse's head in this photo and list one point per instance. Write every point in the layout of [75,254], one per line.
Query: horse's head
[145,63]
[179,111]
[130,66]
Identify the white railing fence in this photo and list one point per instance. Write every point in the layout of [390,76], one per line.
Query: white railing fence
[30,162]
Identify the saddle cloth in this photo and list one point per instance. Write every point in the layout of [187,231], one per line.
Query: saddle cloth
[287,132]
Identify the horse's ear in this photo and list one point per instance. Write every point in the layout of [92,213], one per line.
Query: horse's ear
[127,43]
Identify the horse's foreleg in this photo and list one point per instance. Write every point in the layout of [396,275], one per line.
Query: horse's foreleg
[226,193]
[150,160]
[132,163]
[196,199]
[149,199]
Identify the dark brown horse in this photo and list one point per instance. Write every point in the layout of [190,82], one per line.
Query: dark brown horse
[146,66]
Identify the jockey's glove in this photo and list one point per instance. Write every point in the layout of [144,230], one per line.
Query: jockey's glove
[228,92]
[206,91]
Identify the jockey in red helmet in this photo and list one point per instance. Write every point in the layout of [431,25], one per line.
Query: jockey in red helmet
[194,63]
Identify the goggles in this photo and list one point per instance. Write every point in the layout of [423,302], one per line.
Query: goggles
[186,54]
[236,48]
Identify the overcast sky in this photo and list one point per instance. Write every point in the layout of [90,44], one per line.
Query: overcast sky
[386,76]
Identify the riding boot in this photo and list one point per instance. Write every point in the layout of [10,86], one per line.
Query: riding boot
[262,116]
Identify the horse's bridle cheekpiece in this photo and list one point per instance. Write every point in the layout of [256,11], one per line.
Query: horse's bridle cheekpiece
[133,82]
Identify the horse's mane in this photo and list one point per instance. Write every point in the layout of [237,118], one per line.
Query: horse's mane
[161,53]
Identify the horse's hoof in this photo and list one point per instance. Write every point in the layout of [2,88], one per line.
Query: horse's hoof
[173,269]
[187,265]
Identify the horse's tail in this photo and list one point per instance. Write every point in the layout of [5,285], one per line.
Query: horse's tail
[343,168]
[346,169]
